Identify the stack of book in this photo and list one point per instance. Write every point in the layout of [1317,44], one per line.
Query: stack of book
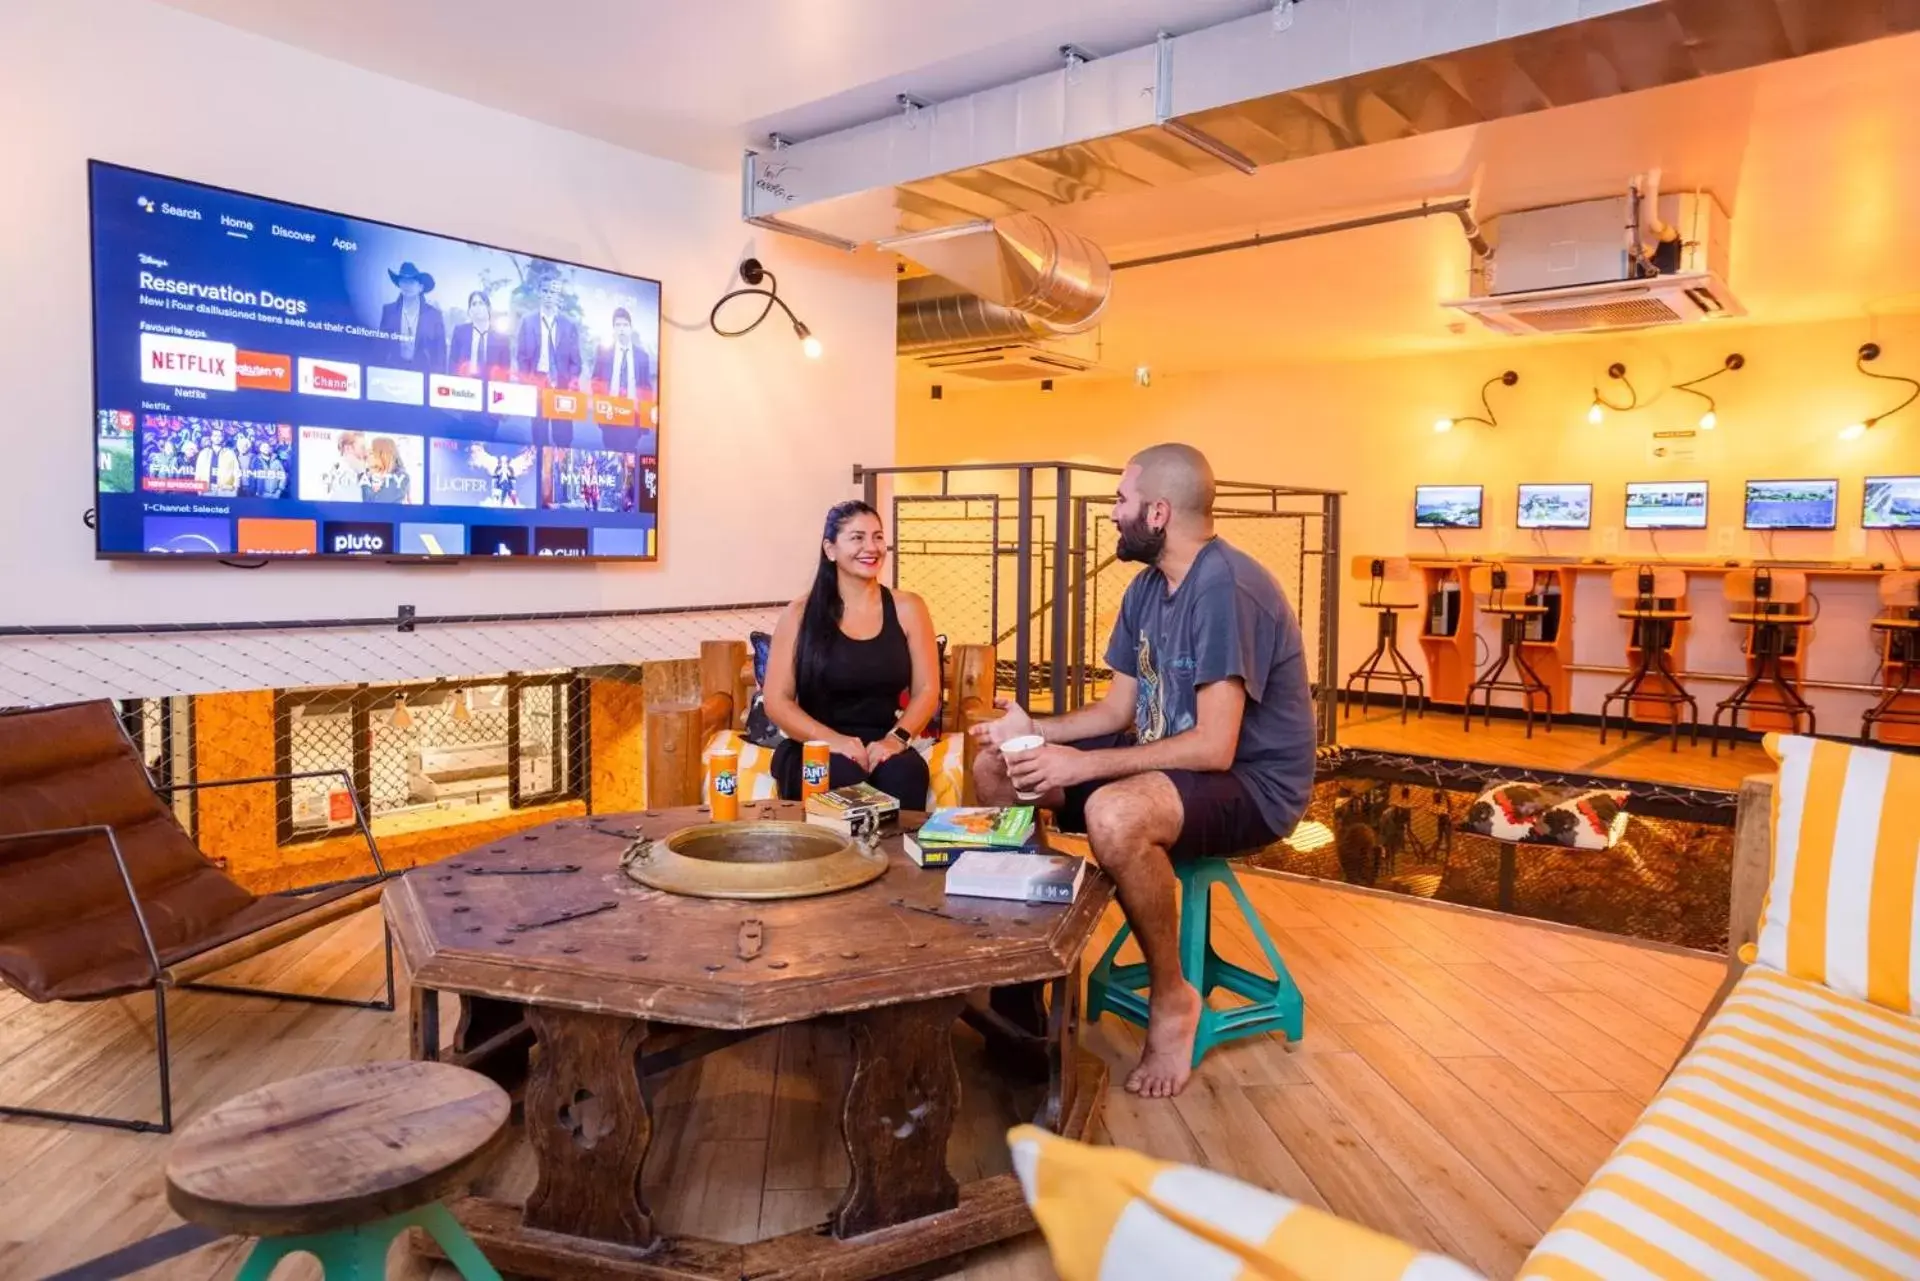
[951,832]
[836,809]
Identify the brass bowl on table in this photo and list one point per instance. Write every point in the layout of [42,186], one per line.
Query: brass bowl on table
[756,859]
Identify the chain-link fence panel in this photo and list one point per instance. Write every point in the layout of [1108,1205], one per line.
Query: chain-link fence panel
[947,549]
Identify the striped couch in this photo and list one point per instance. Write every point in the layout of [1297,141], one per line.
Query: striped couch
[1785,1143]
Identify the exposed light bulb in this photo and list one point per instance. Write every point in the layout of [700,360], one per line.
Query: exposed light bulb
[1853,431]
[1443,424]
[401,719]
[811,346]
[1143,375]
[1709,420]
[1596,415]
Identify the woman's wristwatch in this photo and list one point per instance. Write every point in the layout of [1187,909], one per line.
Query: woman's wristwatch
[900,732]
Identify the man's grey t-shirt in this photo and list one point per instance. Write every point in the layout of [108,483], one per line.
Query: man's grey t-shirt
[1228,618]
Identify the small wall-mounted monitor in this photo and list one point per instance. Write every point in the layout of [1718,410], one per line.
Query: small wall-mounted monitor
[1891,502]
[1792,504]
[1447,506]
[1667,504]
[1556,507]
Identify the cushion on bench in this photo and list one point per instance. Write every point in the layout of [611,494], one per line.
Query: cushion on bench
[1786,1143]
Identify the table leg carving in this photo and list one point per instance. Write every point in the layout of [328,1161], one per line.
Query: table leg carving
[899,1111]
[492,1038]
[589,1127]
[423,1023]
[1063,1051]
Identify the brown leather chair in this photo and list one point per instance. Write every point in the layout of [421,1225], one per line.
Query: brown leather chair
[103,893]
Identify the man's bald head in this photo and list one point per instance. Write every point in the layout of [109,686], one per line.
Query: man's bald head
[1177,475]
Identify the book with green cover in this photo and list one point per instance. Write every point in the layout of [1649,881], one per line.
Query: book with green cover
[990,826]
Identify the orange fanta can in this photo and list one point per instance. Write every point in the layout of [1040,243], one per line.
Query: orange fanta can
[723,785]
[814,758]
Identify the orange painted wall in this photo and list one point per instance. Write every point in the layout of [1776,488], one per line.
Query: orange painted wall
[1367,428]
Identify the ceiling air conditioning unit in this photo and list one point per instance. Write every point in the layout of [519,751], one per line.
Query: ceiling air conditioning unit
[1012,362]
[1578,268]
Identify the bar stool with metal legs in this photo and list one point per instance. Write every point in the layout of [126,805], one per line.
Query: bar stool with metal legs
[1506,592]
[1654,601]
[1898,628]
[1386,665]
[1771,604]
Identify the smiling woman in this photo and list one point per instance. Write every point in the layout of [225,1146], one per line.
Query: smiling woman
[854,665]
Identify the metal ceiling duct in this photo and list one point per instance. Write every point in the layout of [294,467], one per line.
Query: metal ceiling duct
[1018,263]
[962,322]
[1308,77]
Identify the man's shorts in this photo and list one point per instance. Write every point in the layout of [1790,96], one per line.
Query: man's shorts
[1220,817]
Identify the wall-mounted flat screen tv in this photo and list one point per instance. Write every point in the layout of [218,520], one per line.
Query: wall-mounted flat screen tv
[1891,502]
[1446,506]
[1556,507]
[1667,504]
[1792,504]
[277,381]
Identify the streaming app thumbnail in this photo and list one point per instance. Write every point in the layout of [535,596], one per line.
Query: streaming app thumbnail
[396,386]
[555,403]
[330,378]
[649,483]
[500,540]
[451,392]
[468,473]
[342,466]
[186,362]
[114,441]
[594,480]
[356,538]
[555,540]
[613,411]
[262,371]
[433,540]
[215,457]
[516,400]
[277,537]
[188,535]
[623,542]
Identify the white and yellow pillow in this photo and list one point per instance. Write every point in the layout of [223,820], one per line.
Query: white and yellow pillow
[946,767]
[1840,906]
[1114,1215]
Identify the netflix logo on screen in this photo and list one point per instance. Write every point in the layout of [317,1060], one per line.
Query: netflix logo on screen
[356,538]
[186,362]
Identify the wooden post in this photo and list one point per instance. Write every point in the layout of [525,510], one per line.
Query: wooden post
[725,670]
[970,687]
[674,774]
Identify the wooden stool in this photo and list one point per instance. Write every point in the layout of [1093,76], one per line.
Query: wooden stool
[1654,602]
[1771,604]
[1898,628]
[1506,591]
[1274,1004]
[338,1163]
[1386,664]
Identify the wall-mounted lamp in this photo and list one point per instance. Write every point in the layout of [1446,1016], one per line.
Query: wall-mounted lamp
[1711,419]
[1507,379]
[401,718]
[1143,375]
[1870,352]
[1596,412]
[753,273]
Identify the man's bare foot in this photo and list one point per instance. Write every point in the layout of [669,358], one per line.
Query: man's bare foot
[1173,1020]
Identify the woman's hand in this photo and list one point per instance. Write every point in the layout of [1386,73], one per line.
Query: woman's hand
[852,748]
[884,748]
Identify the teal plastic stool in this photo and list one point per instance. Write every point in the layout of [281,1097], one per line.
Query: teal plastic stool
[1274,1003]
[338,1163]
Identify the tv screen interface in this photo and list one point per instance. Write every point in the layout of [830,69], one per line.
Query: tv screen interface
[1792,504]
[1556,506]
[1662,505]
[272,380]
[1892,502]
[1446,507]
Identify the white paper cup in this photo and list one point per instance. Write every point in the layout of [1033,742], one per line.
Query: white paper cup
[1017,746]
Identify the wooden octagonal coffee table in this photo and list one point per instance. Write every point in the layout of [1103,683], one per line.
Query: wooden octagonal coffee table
[549,944]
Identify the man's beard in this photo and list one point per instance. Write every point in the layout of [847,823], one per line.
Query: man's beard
[1140,543]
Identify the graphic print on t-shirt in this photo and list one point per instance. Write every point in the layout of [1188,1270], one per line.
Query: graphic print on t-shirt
[1151,718]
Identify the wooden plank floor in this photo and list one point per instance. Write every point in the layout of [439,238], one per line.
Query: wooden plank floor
[1461,1076]
[1575,749]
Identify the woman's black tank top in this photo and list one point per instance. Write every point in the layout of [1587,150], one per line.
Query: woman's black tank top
[862,680]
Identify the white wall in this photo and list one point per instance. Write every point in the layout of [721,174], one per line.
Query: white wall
[756,441]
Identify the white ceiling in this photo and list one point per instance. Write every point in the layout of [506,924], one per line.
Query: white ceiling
[699,80]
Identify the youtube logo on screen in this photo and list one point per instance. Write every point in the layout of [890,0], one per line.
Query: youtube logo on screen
[263,371]
[515,399]
[186,362]
[446,391]
[329,378]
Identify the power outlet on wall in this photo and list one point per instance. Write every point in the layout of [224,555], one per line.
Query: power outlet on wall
[1610,539]
[1727,541]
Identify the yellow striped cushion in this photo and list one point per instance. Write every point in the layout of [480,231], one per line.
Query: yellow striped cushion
[1114,1215]
[1840,905]
[1787,1144]
[946,764]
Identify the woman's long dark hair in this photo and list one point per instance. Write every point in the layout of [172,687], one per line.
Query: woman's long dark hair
[821,617]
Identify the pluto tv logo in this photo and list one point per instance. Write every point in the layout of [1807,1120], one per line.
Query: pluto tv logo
[356,538]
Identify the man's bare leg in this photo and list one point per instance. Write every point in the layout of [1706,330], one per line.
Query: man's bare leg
[1131,824]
